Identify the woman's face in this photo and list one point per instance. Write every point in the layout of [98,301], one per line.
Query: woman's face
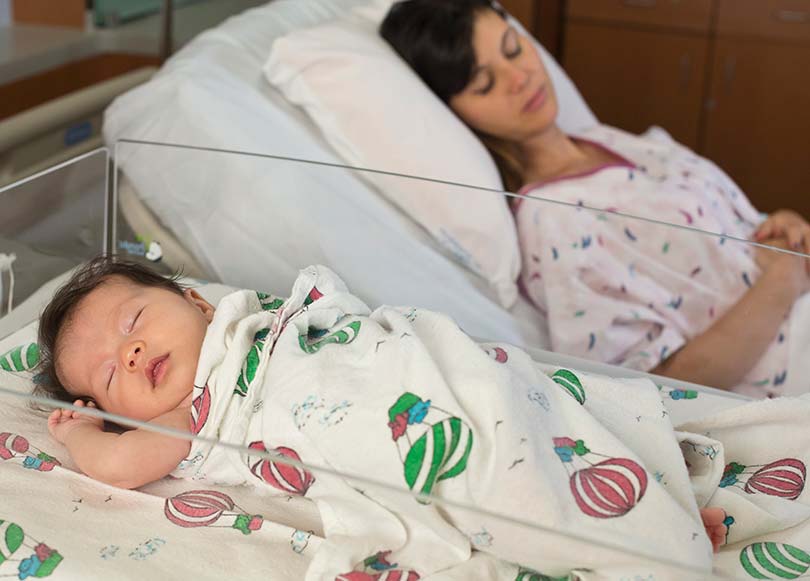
[510,95]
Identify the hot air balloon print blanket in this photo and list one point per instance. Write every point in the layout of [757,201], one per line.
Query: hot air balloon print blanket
[402,396]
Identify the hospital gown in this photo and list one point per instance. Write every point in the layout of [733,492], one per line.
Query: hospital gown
[632,292]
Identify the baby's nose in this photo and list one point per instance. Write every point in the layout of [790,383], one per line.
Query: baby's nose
[133,354]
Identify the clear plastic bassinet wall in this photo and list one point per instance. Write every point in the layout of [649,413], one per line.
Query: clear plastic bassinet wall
[253,221]
[670,288]
[49,223]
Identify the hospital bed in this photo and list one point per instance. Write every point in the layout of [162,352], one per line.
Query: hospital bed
[159,157]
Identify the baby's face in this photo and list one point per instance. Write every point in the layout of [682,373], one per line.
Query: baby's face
[133,349]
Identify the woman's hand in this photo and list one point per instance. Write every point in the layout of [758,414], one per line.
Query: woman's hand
[786,224]
[788,271]
[62,422]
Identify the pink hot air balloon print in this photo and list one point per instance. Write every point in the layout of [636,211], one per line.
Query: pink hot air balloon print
[290,479]
[199,410]
[202,508]
[610,488]
[313,296]
[197,508]
[784,478]
[390,575]
[11,445]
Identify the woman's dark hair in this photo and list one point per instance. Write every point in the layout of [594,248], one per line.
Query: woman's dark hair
[58,314]
[435,37]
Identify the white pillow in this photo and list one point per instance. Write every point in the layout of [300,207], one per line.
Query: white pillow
[377,114]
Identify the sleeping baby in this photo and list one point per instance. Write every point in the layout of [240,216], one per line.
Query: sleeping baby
[399,397]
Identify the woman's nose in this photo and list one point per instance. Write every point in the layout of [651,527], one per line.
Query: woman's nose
[518,78]
[133,354]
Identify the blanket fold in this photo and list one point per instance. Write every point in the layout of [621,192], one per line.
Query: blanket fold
[403,396]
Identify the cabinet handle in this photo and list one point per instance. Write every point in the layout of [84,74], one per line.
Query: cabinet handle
[640,3]
[792,16]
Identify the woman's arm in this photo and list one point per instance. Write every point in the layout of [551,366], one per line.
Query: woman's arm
[723,354]
[126,460]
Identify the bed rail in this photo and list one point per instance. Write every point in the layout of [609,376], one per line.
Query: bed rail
[60,129]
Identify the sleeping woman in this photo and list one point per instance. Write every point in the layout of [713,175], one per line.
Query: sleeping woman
[667,300]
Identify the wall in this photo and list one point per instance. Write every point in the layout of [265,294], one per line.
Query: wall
[5,12]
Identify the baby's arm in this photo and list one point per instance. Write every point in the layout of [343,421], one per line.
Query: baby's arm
[126,460]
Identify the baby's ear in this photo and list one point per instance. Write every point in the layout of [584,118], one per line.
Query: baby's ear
[206,308]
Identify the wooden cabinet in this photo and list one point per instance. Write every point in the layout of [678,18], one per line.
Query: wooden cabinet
[636,78]
[757,125]
[688,15]
[728,78]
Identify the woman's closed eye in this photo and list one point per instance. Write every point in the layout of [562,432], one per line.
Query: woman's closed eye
[484,82]
[511,44]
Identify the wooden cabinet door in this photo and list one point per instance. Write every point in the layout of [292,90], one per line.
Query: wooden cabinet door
[635,78]
[758,125]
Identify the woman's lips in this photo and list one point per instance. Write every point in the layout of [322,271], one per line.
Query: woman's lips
[537,100]
[156,370]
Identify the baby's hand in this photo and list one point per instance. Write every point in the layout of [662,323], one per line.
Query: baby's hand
[62,422]
[714,521]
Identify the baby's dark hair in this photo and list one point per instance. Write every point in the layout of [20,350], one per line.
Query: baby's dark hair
[436,39]
[58,314]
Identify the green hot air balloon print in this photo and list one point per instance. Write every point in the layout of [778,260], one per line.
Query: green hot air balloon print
[269,302]
[529,575]
[342,336]
[21,358]
[571,383]
[10,541]
[248,373]
[768,560]
[433,445]
[29,557]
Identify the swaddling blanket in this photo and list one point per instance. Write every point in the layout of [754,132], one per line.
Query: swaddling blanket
[403,396]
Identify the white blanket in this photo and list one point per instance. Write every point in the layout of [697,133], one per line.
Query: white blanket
[402,396]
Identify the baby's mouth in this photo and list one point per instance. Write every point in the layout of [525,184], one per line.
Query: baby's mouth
[156,369]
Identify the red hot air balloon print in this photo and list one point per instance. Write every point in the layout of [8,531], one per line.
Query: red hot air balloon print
[499,354]
[609,488]
[204,508]
[784,478]
[200,407]
[16,448]
[290,479]
[313,296]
